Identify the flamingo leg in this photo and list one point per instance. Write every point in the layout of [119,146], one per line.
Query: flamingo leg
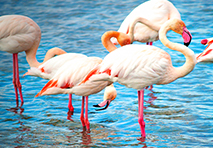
[82,112]
[86,121]
[71,108]
[140,112]
[16,81]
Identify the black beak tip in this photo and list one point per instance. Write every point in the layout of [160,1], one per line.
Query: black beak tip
[96,105]
[187,44]
[101,108]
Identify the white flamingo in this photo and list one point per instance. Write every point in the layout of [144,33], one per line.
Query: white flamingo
[139,66]
[20,33]
[157,12]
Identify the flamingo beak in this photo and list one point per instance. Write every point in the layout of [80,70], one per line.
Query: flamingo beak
[102,104]
[187,37]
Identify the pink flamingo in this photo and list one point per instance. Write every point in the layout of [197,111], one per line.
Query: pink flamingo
[68,78]
[207,54]
[138,66]
[49,68]
[157,12]
[20,33]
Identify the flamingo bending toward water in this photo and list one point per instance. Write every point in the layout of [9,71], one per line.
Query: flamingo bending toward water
[139,66]
[69,76]
[49,68]
[207,54]
[157,12]
[20,33]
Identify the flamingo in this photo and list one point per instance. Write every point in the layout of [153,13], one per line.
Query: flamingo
[20,33]
[207,54]
[138,66]
[67,80]
[68,77]
[157,12]
[49,68]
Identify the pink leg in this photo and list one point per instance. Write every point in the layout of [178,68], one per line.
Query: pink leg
[82,112]
[14,79]
[140,112]
[86,115]
[71,108]
[18,81]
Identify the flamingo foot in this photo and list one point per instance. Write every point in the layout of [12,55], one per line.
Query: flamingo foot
[70,106]
[153,98]
[142,127]
[149,88]
[86,121]
[69,115]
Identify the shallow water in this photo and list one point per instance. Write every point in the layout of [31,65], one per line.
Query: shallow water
[182,115]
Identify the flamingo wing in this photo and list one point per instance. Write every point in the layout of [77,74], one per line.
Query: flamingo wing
[137,66]
[156,11]
[18,33]
[48,69]
[69,76]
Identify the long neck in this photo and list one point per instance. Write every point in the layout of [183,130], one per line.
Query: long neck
[188,53]
[31,56]
[122,38]
[143,21]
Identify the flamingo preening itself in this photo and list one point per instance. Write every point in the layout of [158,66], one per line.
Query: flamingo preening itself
[138,66]
[20,33]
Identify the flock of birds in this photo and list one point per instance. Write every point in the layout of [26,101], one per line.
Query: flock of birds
[133,65]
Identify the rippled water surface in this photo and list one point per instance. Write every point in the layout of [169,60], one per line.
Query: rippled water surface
[181,116]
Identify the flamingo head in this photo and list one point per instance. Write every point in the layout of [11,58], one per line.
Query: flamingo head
[179,27]
[123,39]
[109,95]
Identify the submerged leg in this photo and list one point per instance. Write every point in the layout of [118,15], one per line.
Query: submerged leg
[71,108]
[82,112]
[86,121]
[14,78]
[140,112]
[18,83]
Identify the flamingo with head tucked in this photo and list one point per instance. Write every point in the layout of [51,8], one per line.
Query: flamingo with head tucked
[69,76]
[138,66]
[157,12]
[20,33]
[49,68]
[67,81]
[207,54]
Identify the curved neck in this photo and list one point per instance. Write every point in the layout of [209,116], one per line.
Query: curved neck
[122,38]
[31,56]
[188,53]
[143,21]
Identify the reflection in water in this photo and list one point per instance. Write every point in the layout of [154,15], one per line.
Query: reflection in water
[16,109]
[181,116]
[69,115]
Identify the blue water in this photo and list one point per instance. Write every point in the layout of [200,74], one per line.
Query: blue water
[181,116]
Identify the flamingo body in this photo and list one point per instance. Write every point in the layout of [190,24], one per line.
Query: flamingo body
[68,80]
[69,76]
[156,11]
[18,33]
[48,69]
[138,66]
